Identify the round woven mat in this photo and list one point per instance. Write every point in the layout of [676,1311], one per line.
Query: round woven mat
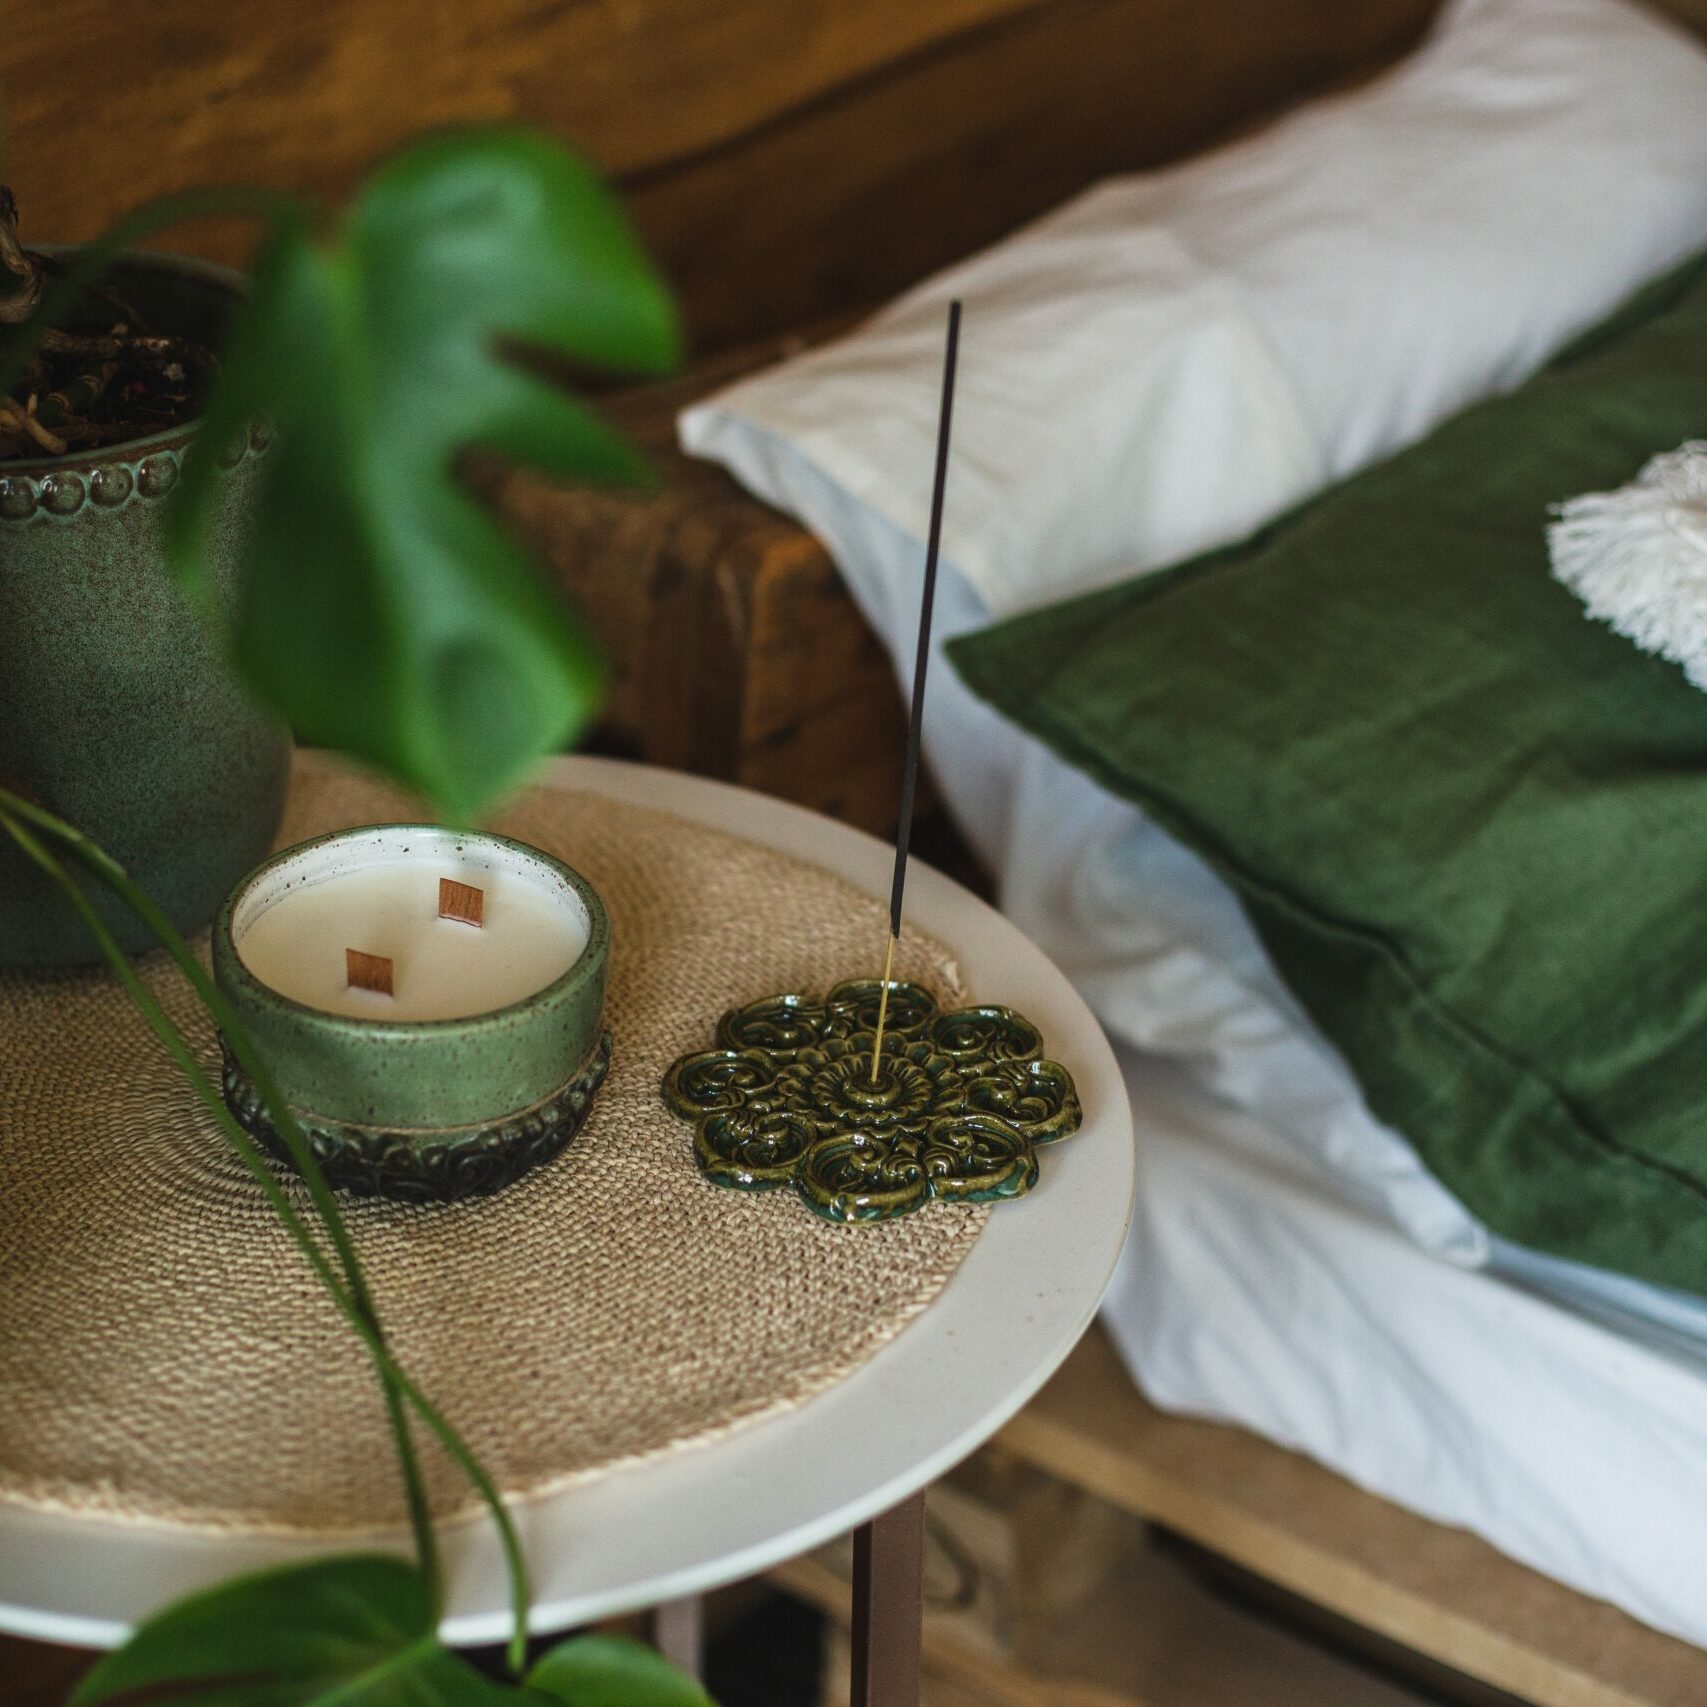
[166,1355]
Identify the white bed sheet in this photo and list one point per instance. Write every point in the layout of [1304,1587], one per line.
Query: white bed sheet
[1303,1275]
[1254,1292]
[1318,1286]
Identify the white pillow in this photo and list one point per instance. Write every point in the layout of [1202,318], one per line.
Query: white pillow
[1224,337]
[1177,355]
[1098,364]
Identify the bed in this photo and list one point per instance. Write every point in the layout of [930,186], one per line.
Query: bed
[1330,1296]
[1555,1410]
[1292,1276]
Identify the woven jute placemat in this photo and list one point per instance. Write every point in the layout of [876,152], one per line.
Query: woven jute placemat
[165,1354]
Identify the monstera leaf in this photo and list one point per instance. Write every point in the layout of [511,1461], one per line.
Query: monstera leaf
[611,1671]
[356,1631]
[381,609]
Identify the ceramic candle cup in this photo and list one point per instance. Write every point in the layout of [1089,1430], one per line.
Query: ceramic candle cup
[484,1060]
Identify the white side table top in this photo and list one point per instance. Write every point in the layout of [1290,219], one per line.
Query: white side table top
[767,1491]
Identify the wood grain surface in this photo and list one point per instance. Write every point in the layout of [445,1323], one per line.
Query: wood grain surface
[1438,1591]
[735,650]
[784,157]
[844,202]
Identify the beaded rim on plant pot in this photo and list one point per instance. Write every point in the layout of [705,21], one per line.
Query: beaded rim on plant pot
[59,487]
[958,1105]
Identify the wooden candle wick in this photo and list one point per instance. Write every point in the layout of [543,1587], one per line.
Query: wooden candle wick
[462,901]
[922,658]
[368,971]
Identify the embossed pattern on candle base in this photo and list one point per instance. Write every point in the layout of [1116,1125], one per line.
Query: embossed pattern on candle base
[428,1164]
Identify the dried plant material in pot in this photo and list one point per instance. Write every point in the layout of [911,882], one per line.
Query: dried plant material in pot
[105,379]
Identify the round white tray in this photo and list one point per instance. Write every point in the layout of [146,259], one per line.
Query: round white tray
[695,1519]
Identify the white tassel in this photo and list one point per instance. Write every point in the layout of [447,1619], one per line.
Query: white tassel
[1637,557]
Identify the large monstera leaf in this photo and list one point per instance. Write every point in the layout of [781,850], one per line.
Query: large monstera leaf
[354,1631]
[381,609]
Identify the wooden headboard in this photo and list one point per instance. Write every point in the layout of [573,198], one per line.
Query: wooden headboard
[786,158]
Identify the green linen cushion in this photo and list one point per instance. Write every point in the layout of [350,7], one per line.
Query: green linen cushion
[1469,823]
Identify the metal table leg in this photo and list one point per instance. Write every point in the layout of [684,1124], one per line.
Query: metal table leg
[888,1606]
[678,1633]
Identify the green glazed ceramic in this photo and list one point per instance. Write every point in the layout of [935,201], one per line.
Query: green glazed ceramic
[959,1103]
[423,1110]
[114,710]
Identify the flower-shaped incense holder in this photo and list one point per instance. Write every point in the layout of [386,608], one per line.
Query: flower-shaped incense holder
[959,1103]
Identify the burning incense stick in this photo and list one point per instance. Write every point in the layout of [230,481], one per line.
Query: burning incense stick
[910,776]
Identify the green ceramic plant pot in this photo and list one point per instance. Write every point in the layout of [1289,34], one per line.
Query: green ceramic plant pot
[115,711]
[423,1110]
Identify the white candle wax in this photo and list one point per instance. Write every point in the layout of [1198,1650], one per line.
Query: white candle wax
[441,968]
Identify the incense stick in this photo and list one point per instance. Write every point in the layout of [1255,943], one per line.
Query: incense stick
[927,601]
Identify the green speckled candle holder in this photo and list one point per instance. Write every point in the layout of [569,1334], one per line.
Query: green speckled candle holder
[421,1110]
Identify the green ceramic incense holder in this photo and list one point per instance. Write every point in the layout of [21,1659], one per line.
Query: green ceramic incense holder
[959,1104]
[421,1110]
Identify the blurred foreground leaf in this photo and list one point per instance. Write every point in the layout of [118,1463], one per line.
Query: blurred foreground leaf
[382,610]
[358,1630]
[611,1671]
